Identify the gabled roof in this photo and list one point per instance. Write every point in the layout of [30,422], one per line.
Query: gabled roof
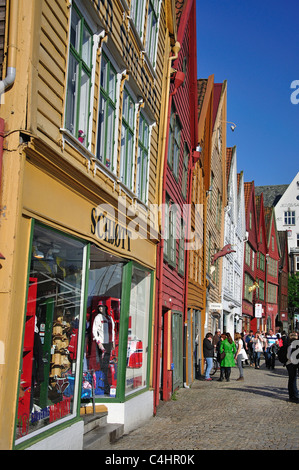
[247,193]
[201,91]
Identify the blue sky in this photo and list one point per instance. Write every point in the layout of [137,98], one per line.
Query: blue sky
[254,45]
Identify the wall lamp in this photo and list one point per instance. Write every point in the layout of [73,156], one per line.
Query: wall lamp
[233,125]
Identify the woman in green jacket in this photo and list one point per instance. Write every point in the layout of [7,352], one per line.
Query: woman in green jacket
[229,348]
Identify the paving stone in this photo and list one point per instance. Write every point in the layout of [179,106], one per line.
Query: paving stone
[252,414]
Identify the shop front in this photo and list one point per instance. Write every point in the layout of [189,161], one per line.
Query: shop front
[87,321]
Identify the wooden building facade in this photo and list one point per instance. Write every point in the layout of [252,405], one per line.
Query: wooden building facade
[83,111]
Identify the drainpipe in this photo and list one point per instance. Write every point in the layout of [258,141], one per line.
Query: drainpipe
[11,47]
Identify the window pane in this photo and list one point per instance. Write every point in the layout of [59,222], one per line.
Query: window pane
[84,107]
[103,320]
[49,367]
[75,30]
[112,84]
[104,67]
[110,137]
[123,154]
[72,93]
[86,47]
[137,353]
[101,130]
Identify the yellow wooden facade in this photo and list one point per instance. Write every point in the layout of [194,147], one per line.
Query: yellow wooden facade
[51,177]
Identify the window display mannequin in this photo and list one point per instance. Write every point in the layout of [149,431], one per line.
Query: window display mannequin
[104,335]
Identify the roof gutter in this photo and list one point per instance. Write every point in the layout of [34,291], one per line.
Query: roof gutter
[11,47]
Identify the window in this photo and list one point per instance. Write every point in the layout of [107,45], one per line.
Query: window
[103,321]
[79,78]
[262,262]
[297,240]
[185,171]
[174,142]
[297,263]
[107,112]
[289,218]
[248,284]
[142,159]
[261,289]
[170,232]
[152,30]
[138,332]
[272,293]
[181,262]
[127,140]
[137,15]
[51,363]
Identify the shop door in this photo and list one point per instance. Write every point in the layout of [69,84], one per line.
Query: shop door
[177,350]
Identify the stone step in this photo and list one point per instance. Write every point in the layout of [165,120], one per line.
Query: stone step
[92,422]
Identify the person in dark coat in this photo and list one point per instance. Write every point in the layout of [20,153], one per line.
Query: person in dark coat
[208,352]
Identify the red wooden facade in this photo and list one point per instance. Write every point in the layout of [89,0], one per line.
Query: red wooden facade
[260,292]
[251,247]
[172,261]
[273,258]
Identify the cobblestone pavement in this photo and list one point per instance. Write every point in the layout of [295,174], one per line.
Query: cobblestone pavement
[253,414]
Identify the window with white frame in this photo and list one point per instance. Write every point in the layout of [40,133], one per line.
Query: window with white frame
[174,142]
[185,171]
[181,262]
[142,159]
[170,237]
[137,15]
[79,77]
[152,30]
[289,218]
[107,113]
[127,140]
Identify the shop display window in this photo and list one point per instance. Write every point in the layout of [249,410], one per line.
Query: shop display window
[50,369]
[138,334]
[103,321]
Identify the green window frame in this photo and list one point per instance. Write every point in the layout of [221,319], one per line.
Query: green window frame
[142,159]
[127,140]
[77,112]
[107,113]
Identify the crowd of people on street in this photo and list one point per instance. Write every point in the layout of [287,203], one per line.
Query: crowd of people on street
[249,349]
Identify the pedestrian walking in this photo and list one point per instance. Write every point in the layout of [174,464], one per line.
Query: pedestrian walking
[241,355]
[222,369]
[292,367]
[270,349]
[258,345]
[249,347]
[208,353]
[228,347]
